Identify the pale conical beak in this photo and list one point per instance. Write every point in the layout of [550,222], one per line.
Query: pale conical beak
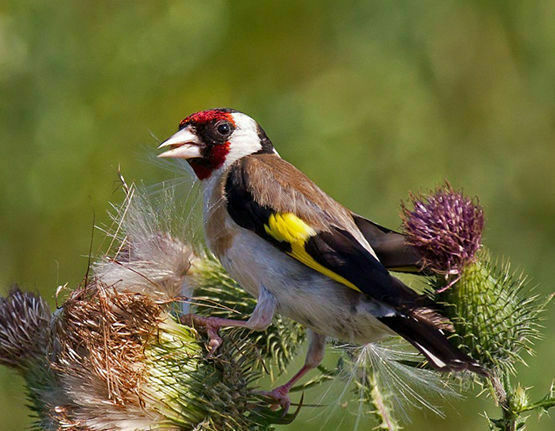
[183,145]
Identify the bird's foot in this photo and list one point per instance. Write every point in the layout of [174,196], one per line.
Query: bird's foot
[279,397]
[211,325]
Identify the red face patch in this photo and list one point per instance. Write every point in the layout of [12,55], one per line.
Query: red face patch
[203,117]
[204,167]
[216,144]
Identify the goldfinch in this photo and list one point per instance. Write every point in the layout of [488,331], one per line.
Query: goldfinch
[299,252]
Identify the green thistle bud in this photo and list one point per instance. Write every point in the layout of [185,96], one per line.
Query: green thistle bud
[188,390]
[519,399]
[493,312]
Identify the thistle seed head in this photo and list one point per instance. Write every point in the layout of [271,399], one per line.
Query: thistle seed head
[144,255]
[114,356]
[119,360]
[101,334]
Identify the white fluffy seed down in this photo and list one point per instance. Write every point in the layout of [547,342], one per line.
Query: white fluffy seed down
[148,259]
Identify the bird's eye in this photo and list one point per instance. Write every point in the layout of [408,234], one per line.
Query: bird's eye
[223,129]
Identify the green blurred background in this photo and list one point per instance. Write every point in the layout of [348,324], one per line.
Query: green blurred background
[372,99]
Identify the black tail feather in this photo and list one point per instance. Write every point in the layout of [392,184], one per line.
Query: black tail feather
[432,343]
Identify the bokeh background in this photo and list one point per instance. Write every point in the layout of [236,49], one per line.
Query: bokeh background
[372,99]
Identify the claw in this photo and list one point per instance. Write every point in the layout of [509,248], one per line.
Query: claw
[280,397]
[215,339]
[211,325]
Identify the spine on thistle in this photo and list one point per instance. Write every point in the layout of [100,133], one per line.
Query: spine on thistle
[495,314]
[115,356]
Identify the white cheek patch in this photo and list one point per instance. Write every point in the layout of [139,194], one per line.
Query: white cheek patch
[244,140]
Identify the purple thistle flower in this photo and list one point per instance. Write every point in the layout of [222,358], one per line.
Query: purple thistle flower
[446,228]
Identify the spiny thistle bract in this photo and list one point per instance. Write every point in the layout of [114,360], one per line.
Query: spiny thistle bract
[496,317]
[26,340]
[115,357]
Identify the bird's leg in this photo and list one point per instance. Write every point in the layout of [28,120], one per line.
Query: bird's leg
[259,320]
[314,356]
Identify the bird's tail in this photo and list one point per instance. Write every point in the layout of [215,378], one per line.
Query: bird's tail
[426,329]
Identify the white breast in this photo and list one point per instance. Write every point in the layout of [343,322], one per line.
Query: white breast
[302,294]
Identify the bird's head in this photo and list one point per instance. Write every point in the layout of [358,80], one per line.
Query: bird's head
[213,139]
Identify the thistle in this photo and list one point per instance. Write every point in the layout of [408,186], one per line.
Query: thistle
[494,313]
[24,319]
[115,357]
[497,319]
[119,360]
[446,228]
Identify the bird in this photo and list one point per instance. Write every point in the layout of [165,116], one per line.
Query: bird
[301,253]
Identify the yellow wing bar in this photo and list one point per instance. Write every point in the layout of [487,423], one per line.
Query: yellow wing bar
[287,227]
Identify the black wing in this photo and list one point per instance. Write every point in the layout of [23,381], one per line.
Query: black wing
[392,248]
[330,249]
